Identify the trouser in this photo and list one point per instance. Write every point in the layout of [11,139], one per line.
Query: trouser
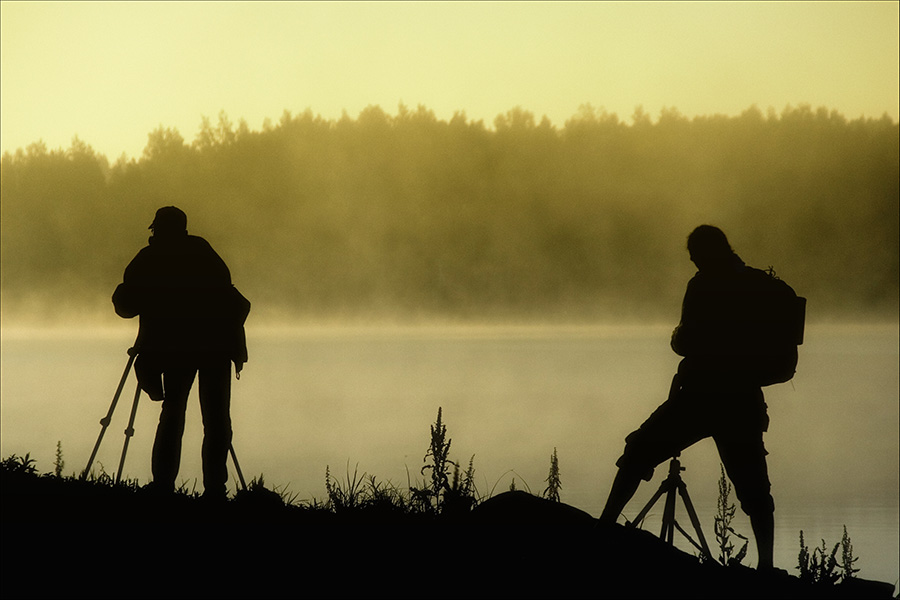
[735,418]
[215,408]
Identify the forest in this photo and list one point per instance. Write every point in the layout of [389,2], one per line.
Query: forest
[412,217]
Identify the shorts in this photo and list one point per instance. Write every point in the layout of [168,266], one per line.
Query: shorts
[736,420]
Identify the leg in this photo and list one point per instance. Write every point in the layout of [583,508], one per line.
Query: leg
[167,444]
[623,488]
[215,405]
[744,458]
[672,427]
[763,525]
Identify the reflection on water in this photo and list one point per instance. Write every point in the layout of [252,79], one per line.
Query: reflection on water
[340,397]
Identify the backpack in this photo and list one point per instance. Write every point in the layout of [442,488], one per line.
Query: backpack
[780,315]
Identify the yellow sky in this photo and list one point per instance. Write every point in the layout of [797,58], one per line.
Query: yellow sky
[112,72]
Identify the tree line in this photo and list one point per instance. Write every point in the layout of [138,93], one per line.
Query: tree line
[415,216]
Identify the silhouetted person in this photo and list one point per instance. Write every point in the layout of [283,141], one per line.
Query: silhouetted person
[191,321]
[717,392]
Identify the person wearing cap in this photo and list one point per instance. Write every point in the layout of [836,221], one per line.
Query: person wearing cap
[191,327]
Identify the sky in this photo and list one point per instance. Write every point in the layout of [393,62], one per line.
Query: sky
[112,72]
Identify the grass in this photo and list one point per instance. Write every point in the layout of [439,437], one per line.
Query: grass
[441,496]
[444,489]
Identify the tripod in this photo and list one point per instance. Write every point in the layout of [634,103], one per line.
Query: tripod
[129,431]
[669,486]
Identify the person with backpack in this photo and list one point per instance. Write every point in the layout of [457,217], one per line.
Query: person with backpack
[737,333]
[191,323]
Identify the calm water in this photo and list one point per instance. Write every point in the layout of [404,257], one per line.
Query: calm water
[364,399]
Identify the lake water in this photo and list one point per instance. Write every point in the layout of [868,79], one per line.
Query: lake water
[363,398]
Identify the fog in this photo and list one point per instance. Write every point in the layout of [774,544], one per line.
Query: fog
[445,230]
[407,218]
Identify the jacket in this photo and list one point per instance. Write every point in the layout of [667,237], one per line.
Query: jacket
[181,289]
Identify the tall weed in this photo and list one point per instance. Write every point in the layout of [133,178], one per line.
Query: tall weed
[551,492]
[58,464]
[822,567]
[448,492]
[724,515]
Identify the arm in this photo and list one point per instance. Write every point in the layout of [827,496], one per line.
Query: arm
[125,301]
[127,298]
[684,335]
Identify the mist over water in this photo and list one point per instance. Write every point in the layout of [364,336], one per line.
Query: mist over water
[364,397]
[409,221]
[410,216]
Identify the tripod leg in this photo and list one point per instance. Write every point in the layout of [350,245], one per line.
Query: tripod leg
[105,421]
[663,488]
[668,521]
[682,489]
[237,467]
[129,431]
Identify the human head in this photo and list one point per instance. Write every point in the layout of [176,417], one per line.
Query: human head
[709,248]
[169,221]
